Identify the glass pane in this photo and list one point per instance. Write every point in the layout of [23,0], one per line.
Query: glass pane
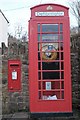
[38,27]
[49,27]
[56,85]
[38,46]
[50,66]
[57,93]
[49,46]
[40,97]
[47,85]
[62,66]
[39,85]
[50,95]
[62,75]
[46,51]
[62,94]
[62,85]
[51,75]
[38,37]
[49,37]
[39,75]
[38,55]
[50,55]
[61,36]
[62,56]
[61,27]
[39,66]
[61,46]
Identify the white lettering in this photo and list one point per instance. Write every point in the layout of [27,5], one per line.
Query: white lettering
[49,13]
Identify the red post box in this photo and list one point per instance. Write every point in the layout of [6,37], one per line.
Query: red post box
[14,75]
[49,60]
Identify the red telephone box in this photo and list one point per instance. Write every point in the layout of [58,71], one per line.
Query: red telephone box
[14,75]
[49,60]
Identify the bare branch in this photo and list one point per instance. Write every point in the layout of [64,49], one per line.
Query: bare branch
[73,10]
[75,7]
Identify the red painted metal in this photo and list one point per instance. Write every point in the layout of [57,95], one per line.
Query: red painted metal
[41,97]
[14,75]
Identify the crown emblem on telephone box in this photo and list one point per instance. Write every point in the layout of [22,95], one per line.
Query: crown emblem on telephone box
[49,7]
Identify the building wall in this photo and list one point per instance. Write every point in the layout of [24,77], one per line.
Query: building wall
[3,30]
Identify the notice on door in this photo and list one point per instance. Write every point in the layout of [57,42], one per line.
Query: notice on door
[48,85]
[14,75]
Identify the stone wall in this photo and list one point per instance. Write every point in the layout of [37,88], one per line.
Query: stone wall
[19,101]
[15,101]
[0,84]
[75,68]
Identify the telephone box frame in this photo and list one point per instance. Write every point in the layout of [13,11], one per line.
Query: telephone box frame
[38,106]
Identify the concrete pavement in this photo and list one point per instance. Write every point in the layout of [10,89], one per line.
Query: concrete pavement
[16,116]
[26,116]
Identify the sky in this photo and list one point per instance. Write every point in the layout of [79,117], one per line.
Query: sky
[18,12]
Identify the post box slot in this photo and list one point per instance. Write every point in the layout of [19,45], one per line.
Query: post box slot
[14,65]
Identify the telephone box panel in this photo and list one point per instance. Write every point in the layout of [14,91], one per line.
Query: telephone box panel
[49,60]
[14,75]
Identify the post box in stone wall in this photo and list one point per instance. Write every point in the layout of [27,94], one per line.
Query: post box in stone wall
[14,75]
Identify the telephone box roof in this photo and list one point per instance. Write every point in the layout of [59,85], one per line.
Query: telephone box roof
[50,4]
